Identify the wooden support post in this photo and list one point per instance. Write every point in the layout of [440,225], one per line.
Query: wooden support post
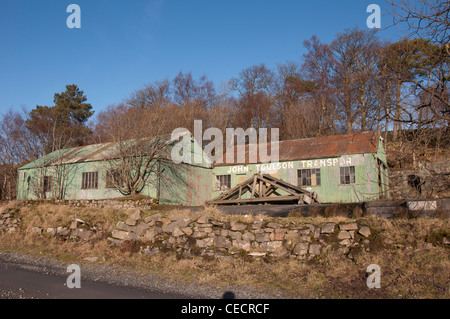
[254,186]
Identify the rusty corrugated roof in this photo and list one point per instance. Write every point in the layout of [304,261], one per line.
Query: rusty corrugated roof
[319,147]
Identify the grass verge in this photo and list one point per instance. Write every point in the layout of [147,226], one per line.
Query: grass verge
[414,265]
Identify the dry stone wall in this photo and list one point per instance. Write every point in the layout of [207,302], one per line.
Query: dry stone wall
[220,236]
[205,235]
[8,220]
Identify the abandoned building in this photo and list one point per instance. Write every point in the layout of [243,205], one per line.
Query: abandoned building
[340,168]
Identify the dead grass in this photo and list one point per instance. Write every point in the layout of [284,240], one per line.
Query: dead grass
[421,271]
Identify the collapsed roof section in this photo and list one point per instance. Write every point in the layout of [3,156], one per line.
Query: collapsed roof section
[314,148]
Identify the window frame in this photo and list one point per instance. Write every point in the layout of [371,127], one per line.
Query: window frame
[222,181]
[112,177]
[347,178]
[89,180]
[47,183]
[308,177]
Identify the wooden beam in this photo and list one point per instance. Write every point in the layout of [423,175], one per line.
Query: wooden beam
[254,185]
[287,190]
[279,181]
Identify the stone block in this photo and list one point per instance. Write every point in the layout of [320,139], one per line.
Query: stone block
[123,235]
[257,225]
[204,218]
[177,232]
[262,237]
[82,233]
[291,234]
[130,222]
[237,226]
[203,229]
[301,249]
[205,242]
[136,215]
[149,235]
[271,246]
[365,231]
[123,226]
[328,228]
[36,230]
[152,218]
[343,234]
[305,232]
[317,233]
[305,238]
[280,253]
[235,235]
[141,229]
[314,249]
[217,223]
[274,225]
[198,234]
[186,230]
[62,231]
[222,242]
[248,236]
[181,223]
[350,226]
[242,244]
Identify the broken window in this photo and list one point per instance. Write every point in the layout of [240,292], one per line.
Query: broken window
[347,175]
[89,180]
[113,179]
[308,177]
[415,182]
[223,182]
[48,183]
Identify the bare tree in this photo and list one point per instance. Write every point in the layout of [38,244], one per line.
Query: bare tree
[317,67]
[299,113]
[255,87]
[140,146]
[17,146]
[344,80]
[153,95]
[427,19]
[353,73]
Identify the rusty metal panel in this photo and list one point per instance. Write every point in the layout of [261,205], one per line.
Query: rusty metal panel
[319,147]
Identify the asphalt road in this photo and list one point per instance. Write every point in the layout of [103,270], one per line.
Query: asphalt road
[29,282]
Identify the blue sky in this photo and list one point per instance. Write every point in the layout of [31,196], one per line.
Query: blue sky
[124,44]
